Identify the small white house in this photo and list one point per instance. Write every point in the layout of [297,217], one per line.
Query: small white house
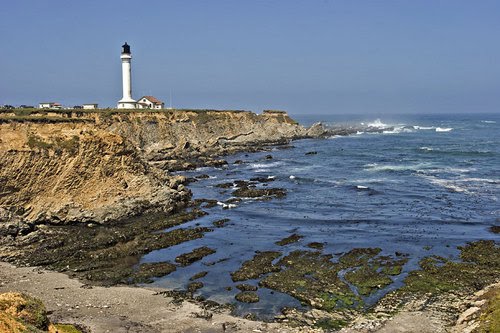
[45,105]
[92,106]
[49,105]
[150,102]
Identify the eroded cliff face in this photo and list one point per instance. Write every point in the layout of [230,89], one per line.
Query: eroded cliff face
[64,167]
[67,172]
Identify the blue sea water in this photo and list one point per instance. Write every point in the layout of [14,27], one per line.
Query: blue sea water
[422,187]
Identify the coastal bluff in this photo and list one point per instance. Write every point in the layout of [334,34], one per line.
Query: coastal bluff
[68,166]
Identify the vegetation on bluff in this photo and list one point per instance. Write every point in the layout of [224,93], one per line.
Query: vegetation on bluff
[23,313]
[58,144]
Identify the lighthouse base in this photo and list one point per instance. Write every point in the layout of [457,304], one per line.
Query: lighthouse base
[127,104]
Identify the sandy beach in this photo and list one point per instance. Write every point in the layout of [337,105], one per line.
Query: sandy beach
[135,309]
[120,309]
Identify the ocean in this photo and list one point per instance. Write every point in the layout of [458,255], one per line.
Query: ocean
[422,187]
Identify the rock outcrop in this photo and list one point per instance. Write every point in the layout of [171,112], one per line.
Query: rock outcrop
[63,167]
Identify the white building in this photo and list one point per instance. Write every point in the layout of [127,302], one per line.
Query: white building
[49,105]
[90,106]
[150,102]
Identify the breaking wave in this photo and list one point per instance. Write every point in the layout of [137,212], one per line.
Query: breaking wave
[443,129]
[374,167]
[377,124]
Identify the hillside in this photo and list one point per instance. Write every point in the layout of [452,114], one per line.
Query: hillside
[62,167]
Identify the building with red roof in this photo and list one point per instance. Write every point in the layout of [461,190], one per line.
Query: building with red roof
[150,102]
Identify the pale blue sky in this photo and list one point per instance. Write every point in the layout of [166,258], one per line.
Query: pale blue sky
[303,56]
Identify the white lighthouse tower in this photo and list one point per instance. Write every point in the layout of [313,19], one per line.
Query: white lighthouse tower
[126,102]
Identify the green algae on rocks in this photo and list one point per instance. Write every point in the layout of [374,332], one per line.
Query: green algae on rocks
[294,238]
[248,192]
[371,272]
[247,297]
[147,271]
[259,265]
[246,287]
[194,286]
[480,266]
[367,279]
[220,223]
[316,245]
[198,276]
[314,279]
[193,256]
[105,254]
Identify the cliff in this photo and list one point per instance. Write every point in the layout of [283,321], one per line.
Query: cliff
[62,167]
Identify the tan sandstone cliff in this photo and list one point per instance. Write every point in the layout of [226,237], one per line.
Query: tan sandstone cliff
[63,167]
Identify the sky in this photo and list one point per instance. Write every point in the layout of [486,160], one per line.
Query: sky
[303,56]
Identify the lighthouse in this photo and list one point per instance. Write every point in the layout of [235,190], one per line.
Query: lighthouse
[126,102]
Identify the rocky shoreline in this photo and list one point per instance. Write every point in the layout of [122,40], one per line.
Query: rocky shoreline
[94,195]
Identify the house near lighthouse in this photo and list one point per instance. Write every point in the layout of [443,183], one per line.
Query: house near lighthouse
[127,102]
[150,102]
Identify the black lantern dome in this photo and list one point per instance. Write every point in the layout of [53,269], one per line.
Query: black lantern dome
[125,48]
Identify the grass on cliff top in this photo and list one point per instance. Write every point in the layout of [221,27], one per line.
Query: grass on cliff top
[78,115]
[42,120]
[22,114]
[29,112]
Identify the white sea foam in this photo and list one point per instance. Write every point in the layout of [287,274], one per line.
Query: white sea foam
[479,180]
[446,183]
[371,180]
[265,165]
[488,121]
[426,148]
[424,127]
[225,205]
[292,177]
[395,130]
[387,167]
[361,187]
[459,170]
[377,123]
[443,129]
[468,185]
[399,129]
